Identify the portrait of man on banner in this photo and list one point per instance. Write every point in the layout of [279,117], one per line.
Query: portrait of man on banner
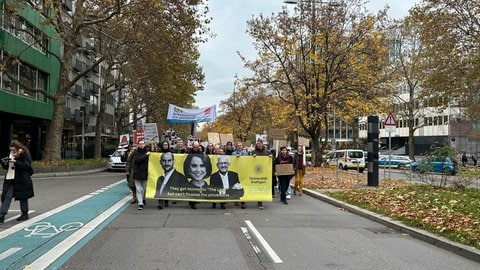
[170,176]
[242,178]
[227,182]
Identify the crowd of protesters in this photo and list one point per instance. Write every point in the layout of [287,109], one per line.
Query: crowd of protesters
[137,181]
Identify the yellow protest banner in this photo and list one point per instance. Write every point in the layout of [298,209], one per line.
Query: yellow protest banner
[209,178]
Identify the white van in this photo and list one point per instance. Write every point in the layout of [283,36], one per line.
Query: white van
[348,159]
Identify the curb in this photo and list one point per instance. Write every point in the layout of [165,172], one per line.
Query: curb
[441,242]
[54,174]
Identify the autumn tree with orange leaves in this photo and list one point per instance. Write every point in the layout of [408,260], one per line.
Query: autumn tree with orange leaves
[320,60]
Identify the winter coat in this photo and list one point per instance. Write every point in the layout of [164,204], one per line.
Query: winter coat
[284,159]
[140,164]
[22,183]
[129,169]
[298,162]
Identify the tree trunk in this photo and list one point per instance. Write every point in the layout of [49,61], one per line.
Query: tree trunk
[411,143]
[53,142]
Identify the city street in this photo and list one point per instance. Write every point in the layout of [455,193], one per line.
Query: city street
[92,226]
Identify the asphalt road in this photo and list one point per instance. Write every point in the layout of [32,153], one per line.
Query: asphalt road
[305,234]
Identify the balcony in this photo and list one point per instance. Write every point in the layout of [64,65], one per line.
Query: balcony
[95,88]
[86,95]
[78,90]
[77,65]
[93,109]
[96,69]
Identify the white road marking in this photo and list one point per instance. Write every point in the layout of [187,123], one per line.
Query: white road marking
[247,235]
[56,252]
[26,223]
[9,252]
[273,255]
[16,216]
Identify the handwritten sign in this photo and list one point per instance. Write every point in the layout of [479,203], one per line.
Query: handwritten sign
[284,169]
[213,137]
[224,138]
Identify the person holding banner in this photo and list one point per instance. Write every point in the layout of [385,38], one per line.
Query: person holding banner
[140,171]
[284,180]
[260,151]
[197,167]
[239,151]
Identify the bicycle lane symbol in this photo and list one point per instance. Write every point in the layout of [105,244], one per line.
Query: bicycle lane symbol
[60,230]
[46,229]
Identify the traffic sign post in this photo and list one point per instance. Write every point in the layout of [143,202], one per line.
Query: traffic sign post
[390,124]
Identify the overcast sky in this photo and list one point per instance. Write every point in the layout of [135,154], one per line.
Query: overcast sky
[219,57]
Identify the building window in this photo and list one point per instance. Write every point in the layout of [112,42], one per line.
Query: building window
[25,31]
[29,77]
[7,83]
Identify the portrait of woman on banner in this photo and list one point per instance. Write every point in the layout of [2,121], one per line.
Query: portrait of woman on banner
[197,168]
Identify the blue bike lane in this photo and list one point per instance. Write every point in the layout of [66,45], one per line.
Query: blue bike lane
[46,241]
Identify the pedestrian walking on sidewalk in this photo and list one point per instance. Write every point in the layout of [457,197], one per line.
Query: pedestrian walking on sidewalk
[18,182]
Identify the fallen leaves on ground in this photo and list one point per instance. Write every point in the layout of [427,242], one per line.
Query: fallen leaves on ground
[451,213]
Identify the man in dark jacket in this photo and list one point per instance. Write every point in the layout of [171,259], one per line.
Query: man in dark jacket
[140,172]
[284,180]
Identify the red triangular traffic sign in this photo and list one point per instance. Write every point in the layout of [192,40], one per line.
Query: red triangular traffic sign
[390,120]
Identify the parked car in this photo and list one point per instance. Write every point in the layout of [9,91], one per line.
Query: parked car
[118,160]
[348,159]
[394,161]
[434,164]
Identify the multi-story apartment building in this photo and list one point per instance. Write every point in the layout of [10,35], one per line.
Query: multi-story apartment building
[24,114]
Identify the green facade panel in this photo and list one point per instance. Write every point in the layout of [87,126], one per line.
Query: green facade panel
[48,64]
